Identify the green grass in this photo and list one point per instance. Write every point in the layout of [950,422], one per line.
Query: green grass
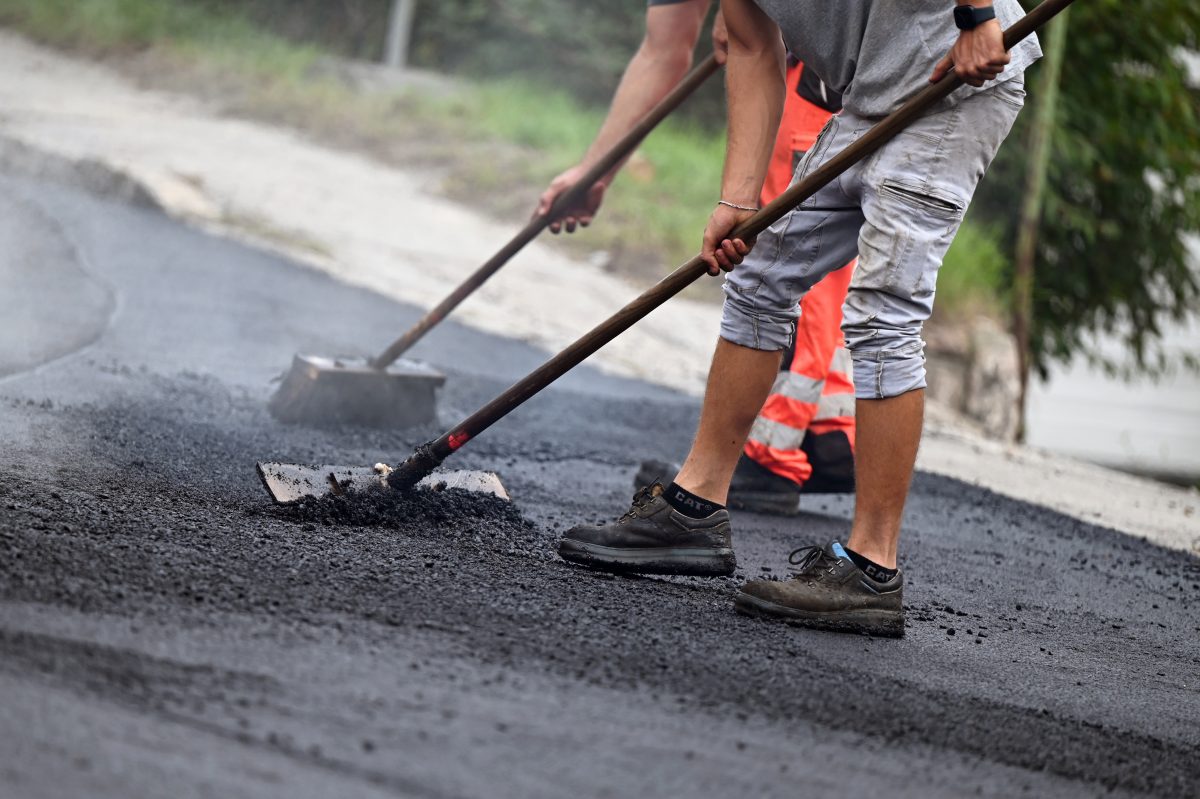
[120,27]
[656,208]
[500,141]
[102,25]
[972,276]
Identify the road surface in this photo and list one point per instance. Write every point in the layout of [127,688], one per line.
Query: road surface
[165,630]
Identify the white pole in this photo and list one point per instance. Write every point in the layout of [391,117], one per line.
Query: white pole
[399,33]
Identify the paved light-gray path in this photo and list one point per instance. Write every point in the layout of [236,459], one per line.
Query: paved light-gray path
[165,631]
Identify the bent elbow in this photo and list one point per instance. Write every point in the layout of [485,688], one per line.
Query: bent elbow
[671,55]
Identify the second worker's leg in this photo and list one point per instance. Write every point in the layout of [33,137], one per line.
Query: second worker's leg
[856,588]
[889,431]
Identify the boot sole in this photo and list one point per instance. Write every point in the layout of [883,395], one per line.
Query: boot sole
[687,561]
[884,623]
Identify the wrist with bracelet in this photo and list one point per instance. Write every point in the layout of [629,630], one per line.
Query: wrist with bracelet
[728,204]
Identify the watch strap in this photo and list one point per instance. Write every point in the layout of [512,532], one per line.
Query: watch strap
[969,17]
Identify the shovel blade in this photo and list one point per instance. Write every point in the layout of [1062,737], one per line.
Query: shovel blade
[292,482]
[324,392]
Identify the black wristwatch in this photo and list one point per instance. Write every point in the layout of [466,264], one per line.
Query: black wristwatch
[968,17]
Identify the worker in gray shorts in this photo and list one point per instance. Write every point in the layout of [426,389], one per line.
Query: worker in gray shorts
[898,211]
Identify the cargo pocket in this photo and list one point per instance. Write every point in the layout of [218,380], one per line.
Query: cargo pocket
[921,224]
[938,204]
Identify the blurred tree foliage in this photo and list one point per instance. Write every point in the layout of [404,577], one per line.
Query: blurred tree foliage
[1123,183]
[579,47]
[353,28]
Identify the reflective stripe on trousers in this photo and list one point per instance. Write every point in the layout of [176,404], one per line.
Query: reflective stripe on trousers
[801,388]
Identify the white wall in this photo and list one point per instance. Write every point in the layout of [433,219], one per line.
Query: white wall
[1141,426]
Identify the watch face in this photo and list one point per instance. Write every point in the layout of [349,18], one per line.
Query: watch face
[964,17]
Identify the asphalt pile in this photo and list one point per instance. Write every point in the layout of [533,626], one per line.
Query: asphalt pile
[420,507]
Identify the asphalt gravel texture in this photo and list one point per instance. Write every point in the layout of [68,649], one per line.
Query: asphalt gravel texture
[165,629]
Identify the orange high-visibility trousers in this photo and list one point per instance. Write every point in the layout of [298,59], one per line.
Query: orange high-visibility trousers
[805,430]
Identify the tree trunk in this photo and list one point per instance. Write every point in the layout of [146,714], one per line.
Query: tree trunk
[1045,101]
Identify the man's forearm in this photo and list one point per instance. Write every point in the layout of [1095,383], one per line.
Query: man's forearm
[662,60]
[647,80]
[755,88]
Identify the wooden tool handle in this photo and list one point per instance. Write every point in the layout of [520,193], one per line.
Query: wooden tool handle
[609,161]
[430,455]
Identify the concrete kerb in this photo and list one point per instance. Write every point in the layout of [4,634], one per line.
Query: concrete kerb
[88,174]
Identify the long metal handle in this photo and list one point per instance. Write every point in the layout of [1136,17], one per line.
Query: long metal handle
[430,455]
[618,153]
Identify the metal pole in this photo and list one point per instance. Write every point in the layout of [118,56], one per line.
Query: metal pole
[399,33]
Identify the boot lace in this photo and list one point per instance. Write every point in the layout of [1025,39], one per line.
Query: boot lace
[806,560]
[640,500]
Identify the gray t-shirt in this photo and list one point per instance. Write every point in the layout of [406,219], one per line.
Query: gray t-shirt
[879,53]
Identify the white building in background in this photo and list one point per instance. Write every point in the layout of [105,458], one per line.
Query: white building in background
[1141,426]
[1145,427]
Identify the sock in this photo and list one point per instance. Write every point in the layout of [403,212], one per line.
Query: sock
[870,567]
[688,503]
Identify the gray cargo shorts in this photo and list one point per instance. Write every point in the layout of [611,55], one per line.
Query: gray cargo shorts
[896,211]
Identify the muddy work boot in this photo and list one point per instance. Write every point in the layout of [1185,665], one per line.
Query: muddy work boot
[753,487]
[828,592]
[654,538]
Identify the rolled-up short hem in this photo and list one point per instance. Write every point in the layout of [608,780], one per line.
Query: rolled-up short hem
[756,332]
[882,374]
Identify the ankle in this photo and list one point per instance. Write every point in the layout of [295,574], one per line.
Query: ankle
[714,490]
[880,551]
[871,567]
[689,503]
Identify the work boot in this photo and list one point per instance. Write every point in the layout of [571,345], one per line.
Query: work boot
[832,461]
[828,592]
[753,487]
[654,538]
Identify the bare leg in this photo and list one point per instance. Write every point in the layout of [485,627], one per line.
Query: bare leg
[889,431]
[738,383]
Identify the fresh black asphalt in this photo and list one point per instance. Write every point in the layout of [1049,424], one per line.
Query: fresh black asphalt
[165,630]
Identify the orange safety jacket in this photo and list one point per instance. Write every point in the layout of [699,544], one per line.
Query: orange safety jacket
[805,430]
